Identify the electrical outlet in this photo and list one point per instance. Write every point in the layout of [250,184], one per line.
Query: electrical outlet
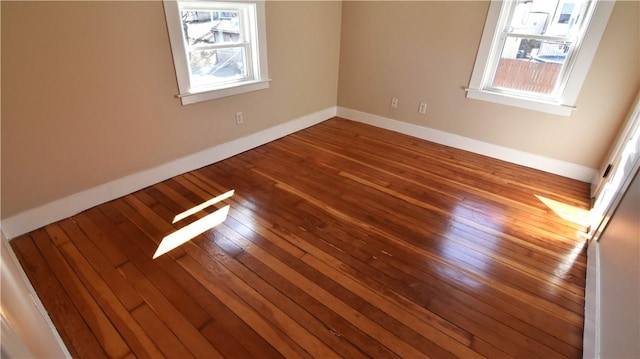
[239,118]
[394,102]
[422,108]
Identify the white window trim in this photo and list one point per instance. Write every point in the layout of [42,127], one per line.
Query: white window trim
[565,102]
[189,94]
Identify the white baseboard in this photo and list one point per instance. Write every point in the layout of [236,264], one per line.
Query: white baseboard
[565,169]
[68,206]
[591,336]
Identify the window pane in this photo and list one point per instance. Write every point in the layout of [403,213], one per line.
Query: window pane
[214,66]
[530,65]
[205,27]
[548,17]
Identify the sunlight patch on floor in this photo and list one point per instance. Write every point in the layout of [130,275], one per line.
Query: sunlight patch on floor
[567,212]
[202,206]
[196,228]
[575,215]
[459,255]
[566,264]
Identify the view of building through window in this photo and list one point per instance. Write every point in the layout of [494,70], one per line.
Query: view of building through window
[215,44]
[219,48]
[537,42]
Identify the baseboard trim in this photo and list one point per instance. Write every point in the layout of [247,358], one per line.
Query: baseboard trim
[565,169]
[68,206]
[591,334]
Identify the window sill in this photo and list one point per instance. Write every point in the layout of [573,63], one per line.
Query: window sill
[529,104]
[233,89]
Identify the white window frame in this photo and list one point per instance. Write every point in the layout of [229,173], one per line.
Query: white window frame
[563,103]
[255,32]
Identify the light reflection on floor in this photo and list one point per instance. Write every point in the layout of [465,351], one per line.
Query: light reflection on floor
[246,211]
[565,265]
[202,206]
[190,231]
[574,215]
[453,251]
[567,212]
[478,215]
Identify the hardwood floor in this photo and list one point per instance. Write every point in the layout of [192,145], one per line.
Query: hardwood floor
[342,240]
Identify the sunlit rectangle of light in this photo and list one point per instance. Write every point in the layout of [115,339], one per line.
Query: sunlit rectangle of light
[188,232]
[566,211]
[200,207]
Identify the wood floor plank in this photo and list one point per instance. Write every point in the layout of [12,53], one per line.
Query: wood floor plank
[297,331]
[100,263]
[274,336]
[165,339]
[108,336]
[268,289]
[341,240]
[136,337]
[166,312]
[335,324]
[229,347]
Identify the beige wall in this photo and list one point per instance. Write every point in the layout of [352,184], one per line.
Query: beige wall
[88,92]
[88,87]
[425,51]
[620,279]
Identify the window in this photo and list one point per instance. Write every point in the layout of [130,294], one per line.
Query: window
[535,54]
[219,48]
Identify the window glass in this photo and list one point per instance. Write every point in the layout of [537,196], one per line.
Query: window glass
[213,66]
[530,65]
[202,27]
[208,36]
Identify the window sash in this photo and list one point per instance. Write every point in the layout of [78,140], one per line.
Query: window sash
[245,40]
[502,36]
[218,46]
[242,9]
